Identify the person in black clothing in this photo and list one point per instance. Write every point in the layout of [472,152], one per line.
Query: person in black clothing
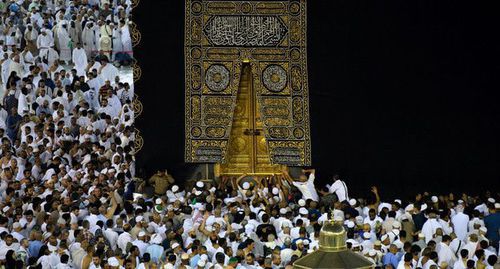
[265,229]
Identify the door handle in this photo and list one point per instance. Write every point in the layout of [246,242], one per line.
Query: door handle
[250,132]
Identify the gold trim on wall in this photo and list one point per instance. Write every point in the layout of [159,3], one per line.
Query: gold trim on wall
[137,71]
[135,34]
[135,3]
[137,105]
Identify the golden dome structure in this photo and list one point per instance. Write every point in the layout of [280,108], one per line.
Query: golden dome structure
[333,252]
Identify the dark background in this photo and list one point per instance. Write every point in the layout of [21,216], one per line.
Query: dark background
[404,94]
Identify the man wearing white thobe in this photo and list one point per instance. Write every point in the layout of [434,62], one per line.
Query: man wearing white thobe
[64,42]
[88,39]
[126,38]
[44,42]
[430,227]
[306,186]
[5,68]
[445,253]
[339,188]
[16,66]
[460,222]
[80,60]
[108,71]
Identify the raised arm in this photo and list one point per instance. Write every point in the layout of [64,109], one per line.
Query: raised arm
[229,229]
[286,175]
[114,205]
[377,196]
[202,228]
[312,171]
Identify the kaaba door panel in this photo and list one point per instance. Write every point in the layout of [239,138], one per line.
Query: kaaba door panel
[269,108]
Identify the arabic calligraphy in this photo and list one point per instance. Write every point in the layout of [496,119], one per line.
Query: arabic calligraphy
[245,31]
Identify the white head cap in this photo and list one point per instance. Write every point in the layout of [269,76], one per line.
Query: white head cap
[276,191]
[113,262]
[303,211]
[367,235]
[246,185]
[383,237]
[302,202]
[175,188]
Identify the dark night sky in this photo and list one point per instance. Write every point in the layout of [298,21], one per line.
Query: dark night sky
[404,94]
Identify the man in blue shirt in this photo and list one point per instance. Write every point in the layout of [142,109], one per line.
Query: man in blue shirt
[392,257]
[492,223]
[35,245]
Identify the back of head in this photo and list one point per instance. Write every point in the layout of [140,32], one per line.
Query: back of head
[446,238]
[171,258]
[464,253]
[492,260]
[220,257]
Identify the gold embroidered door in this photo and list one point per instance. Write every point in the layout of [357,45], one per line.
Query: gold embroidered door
[248,152]
[262,46]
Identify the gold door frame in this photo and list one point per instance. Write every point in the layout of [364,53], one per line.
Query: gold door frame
[247,151]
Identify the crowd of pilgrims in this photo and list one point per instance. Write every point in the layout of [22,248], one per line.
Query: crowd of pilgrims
[73,215]
[69,199]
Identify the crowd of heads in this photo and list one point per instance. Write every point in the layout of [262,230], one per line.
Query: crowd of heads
[66,126]
[245,222]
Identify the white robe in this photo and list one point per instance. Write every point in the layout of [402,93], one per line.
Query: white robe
[126,40]
[460,222]
[429,229]
[64,44]
[109,72]
[446,254]
[471,247]
[24,104]
[88,40]
[80,61]
[52,56]
[43,43]
[16,67]
[115,104]
[5,71]
[27,59]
